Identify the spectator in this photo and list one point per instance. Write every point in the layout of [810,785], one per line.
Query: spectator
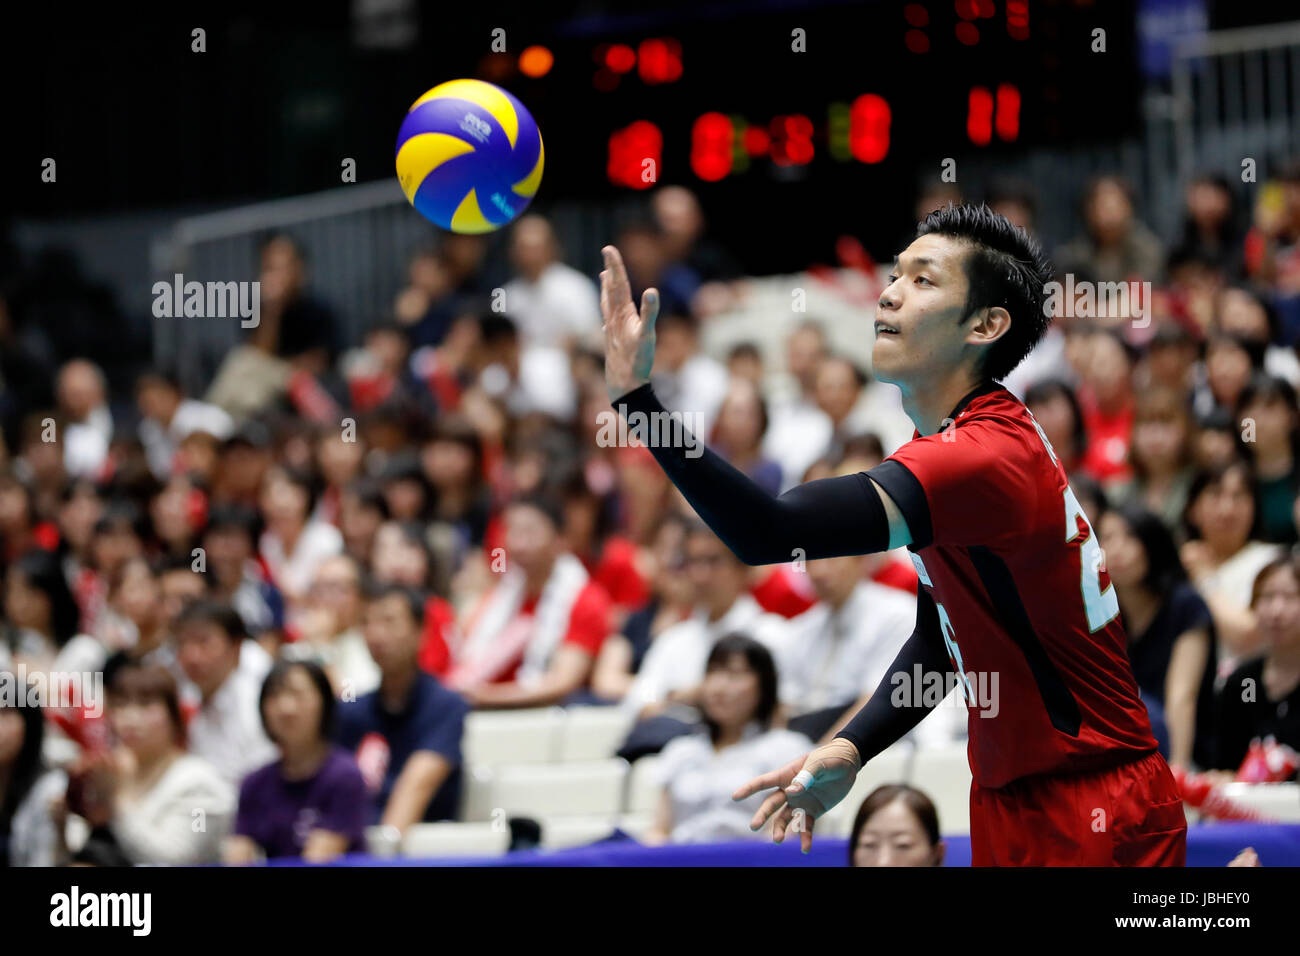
[738,698]
[145,797]
[1271,432]
[738,434]
[227,670]
[235,575]
[86,421]
[796,437]
[242,465]
[362,511]
[840,649]
[39,609]
[293,324]
[1223,555]
[330,629]
[684,377]
[1244,314]
[406,734]
[339,460]
[169,418]
[611,559]
[311,802]
[896,825]
[1115,247]
[293,546]
[671,677]
[623,653]
[533,638]
[1211,229]
[1106,397]
[554,304]
[1171,638]
[1056,409]
[1261,698]
[1160,457]
[30,834]
[453,462]
[1230,363]
[525,380]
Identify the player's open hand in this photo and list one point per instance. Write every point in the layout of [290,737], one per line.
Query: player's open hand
[808,787]
[629,334]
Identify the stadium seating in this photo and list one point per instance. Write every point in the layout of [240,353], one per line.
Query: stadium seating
[944,774]
[455,839]
[513,736]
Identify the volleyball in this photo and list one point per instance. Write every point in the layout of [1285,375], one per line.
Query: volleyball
[469,156]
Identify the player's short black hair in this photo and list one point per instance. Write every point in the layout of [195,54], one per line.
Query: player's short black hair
[1006,268]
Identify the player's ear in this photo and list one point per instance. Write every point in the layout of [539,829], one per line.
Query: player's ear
[991,324]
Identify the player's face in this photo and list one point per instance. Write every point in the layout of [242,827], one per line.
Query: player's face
[919,327]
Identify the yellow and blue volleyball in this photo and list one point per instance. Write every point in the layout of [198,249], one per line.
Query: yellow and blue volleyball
[469,156]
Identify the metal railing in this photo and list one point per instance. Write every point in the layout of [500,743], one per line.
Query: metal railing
[357,240]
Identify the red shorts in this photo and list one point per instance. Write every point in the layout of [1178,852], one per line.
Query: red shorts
[1130,815]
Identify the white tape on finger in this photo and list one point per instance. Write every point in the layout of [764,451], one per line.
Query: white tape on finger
[803,778]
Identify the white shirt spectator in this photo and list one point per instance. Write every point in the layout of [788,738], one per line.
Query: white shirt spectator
[799,433]
[85,444]
[562,304]
[33,834]
[698,387]
[677,657]
[830,658]
[191,416]
[700,780]
[227,730]
[345,657]
[294,572]
[159,825]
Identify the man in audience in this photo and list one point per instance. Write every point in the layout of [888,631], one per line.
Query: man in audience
[842,646]
[534,637]
[673,669]
[406,733]
[227,670]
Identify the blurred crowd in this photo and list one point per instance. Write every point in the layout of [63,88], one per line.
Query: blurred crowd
[272,604]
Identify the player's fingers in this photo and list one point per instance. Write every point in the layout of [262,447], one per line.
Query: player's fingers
[649,309]
[806,832]
[765,782]
[620,290]
[769,806]
[780,823]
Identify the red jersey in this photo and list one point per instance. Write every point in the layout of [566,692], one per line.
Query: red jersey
[1029,615]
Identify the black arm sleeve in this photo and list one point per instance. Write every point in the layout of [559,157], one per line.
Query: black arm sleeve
[881,721]
[822,519]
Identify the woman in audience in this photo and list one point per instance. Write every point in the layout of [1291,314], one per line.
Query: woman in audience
[896,825]
[40,612]
[293,545]
[738,434]
[311,803]
[1271,423]
[1223,555]
[701,771]
[30,831]
[1170,630]
[1160,457]
[1261,699]
[148,798]
[670,602]
[1056,408]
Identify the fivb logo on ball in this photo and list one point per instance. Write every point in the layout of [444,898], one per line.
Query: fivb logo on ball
[204,300]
